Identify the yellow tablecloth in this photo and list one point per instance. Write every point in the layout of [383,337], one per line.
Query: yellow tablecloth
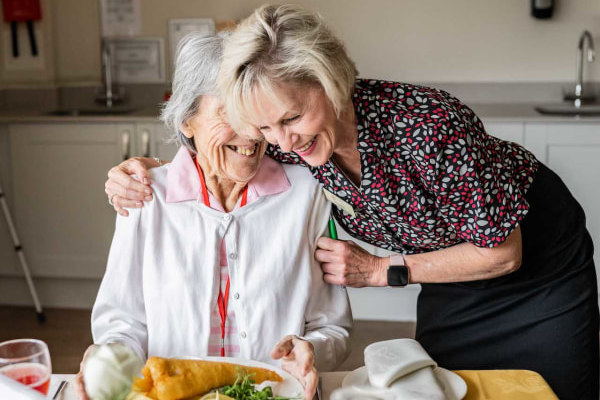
[506,385]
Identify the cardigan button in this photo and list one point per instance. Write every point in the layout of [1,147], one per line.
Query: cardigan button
[226,217]
[243,335]
[236,296]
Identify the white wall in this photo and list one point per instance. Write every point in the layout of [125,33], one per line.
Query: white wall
[406,40]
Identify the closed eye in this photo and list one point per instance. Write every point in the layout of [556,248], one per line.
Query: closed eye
[288,120]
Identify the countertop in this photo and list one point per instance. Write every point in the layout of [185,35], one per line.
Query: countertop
[147,114]
[501,112]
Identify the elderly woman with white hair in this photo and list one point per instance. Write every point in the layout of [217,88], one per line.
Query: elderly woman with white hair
[494,237]
[221,262]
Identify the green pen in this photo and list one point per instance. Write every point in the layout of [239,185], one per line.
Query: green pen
[332,228]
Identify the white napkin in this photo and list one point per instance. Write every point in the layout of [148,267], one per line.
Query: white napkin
[398,369]
[389,360]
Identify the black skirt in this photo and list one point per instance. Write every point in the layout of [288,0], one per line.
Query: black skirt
[543,317]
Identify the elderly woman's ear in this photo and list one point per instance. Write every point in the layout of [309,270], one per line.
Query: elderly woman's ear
[186,129]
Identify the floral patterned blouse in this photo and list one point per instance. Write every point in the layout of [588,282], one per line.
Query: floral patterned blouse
[430,175]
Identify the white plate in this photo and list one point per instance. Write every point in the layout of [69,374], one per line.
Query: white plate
[289,387]
[454,386]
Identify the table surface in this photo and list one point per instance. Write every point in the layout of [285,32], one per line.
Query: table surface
[330,381]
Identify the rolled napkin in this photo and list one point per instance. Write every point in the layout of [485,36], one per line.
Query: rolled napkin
[397,369]
[389,360]
[109,370]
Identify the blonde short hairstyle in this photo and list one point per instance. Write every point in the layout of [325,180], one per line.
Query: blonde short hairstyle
[281,45]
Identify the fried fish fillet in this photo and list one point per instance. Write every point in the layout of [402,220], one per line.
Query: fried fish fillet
[174,379]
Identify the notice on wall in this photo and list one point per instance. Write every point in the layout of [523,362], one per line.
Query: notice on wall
[178,28]
[121,17]
[138,60]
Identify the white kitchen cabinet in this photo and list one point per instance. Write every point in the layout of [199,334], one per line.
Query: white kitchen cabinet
[153,140]
[510,131]
[573,152]
[61,210]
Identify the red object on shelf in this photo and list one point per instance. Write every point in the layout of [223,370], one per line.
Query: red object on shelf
[27,11]
[21,10]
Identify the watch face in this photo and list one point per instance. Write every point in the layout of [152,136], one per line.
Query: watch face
[397,276]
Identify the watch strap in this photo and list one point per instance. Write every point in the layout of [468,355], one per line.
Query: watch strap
[397,260]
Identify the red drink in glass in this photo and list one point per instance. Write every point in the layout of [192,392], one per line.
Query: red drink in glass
[27,361]
[34,375]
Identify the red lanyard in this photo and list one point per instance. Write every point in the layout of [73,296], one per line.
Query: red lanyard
[223,300]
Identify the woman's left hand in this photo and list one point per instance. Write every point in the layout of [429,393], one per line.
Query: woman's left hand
[298,358]
[345,263]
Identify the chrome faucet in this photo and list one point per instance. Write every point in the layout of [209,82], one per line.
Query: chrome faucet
[579,98]
[109,97]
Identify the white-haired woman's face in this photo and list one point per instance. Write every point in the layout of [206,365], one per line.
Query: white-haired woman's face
[301,120]
[229,155]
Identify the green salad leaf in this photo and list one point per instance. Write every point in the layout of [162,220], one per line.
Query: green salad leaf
[243,389]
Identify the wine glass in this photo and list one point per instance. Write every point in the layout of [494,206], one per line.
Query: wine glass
[27,361]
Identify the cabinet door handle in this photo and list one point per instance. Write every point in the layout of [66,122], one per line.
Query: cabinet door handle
[145,143]
[125,144]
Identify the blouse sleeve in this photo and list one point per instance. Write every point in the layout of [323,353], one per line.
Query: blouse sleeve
[119,314]
[478,182]
[328,318]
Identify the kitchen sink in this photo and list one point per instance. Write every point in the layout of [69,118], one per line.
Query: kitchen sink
[569,110]
[74,112]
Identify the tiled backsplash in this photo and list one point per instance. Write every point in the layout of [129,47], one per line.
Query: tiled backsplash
[141,96]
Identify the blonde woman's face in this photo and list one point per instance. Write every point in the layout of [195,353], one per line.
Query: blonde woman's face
[302,121]
[223,151]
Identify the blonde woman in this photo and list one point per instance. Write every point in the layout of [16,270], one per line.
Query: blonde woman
[494,237]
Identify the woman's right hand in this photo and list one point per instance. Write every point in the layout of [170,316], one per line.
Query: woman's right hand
[79,384]
[124,191]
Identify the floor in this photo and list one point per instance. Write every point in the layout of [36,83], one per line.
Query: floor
[67,333]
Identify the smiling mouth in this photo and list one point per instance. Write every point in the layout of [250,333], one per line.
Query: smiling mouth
[306,146]
[245,151]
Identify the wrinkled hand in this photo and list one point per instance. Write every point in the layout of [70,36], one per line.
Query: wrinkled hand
[298,358]
[123,190]
[345,263]
[78,381]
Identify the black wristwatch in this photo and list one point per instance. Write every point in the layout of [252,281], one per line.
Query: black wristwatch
[397,273]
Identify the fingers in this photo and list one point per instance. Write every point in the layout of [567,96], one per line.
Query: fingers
[136,166]
[123,190]
[311,380]
[326,256]
[79,383]
[336,279]
[121,183]
[299,362]
[304,356]
[80,387]
[113,187]
[121,176]
[283,348]
[117,201]
[327,243]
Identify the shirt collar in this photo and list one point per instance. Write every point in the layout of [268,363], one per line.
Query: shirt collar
[183,182]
